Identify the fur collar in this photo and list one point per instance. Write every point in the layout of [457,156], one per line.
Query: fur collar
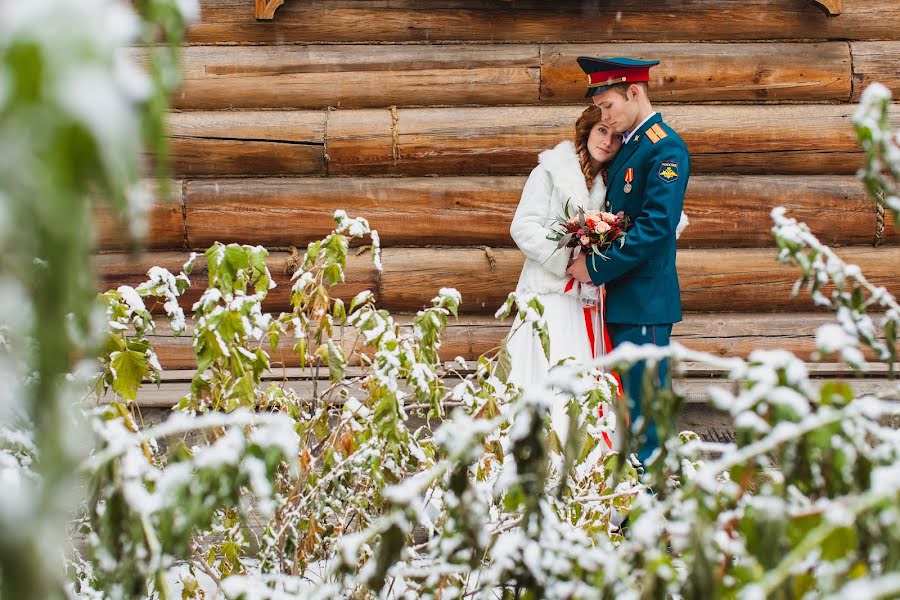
[565,171]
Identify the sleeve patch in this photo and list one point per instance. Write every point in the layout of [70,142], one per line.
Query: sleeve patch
[668,171]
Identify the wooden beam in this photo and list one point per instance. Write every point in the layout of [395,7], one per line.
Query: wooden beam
[703,72]
[498,140]
[340,21]
[807,139]
[726,211]
[875,61]
[265,9]
[165,222]
[829,7]
[470,336]
[363,76]
[714,280]
[258,142]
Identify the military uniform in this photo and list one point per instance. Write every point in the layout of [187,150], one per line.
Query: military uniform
[647,180]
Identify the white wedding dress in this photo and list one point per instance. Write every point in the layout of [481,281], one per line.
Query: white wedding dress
[556,180]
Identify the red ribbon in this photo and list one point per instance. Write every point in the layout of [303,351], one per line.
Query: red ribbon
[607,347]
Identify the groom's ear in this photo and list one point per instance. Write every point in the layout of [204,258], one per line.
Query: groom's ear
[634,91]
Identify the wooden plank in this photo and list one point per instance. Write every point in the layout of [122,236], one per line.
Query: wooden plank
[699,371]
[725,211]
[723,334]
[353,76]
[117,269]
[701,72]
[357,76]
[751,280]
[536,20]
[695,416]
[875,61]
[730,211]
[165,223]
[741,280]
[264,142]
[404,210]
[787,139]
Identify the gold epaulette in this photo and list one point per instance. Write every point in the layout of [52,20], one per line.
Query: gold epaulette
[656,133]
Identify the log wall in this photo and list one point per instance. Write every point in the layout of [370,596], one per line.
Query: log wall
[426,117]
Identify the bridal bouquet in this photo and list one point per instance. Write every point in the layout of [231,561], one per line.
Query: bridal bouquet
[592,232]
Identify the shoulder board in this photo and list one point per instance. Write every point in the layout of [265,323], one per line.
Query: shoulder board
[656,133]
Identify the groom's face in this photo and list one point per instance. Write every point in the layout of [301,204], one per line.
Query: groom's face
[619,110]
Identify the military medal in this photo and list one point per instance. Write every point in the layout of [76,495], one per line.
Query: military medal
[629,177]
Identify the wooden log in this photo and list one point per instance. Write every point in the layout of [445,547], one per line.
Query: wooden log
[165,223]
[404,210]
[114,270]
[731,211]
[697,416]
[739,280]
[745,280]
[792,139]
[723,334]
[712,72]
[535,20]
[264,143]
[875,61]
[353,76]
[358,76]
[725,211]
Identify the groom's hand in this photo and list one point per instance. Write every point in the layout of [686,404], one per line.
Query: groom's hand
[578,269]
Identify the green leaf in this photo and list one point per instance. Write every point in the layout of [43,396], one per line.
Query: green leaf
[129,368]
[545,341]
[361,298]
[336,361]
[504,363]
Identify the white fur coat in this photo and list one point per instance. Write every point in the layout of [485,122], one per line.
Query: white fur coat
[556,179]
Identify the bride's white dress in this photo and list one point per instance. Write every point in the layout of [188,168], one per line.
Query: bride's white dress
[555,181]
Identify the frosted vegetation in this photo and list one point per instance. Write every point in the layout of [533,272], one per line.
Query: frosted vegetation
[400,475]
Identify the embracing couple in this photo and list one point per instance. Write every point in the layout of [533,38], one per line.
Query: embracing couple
[626,161]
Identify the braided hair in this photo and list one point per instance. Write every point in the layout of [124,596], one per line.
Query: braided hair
[590,117]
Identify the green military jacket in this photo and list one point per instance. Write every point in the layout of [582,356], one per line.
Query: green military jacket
[647,179]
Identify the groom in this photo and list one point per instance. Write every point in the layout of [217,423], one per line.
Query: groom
[647,180]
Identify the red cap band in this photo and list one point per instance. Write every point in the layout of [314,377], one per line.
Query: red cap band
[629,75]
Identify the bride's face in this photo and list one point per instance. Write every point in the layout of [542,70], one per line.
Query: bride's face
[602,143]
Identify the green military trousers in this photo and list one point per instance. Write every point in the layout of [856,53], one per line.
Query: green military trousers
[632,380]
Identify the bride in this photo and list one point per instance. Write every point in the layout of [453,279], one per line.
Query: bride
[573,173]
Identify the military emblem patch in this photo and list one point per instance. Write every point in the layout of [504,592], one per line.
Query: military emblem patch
[668,171]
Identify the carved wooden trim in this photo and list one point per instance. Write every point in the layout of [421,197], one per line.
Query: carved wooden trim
[265,9]
[830,7]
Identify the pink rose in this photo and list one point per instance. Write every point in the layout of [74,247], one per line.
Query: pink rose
[585,240]
[609,218]
[601,227]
